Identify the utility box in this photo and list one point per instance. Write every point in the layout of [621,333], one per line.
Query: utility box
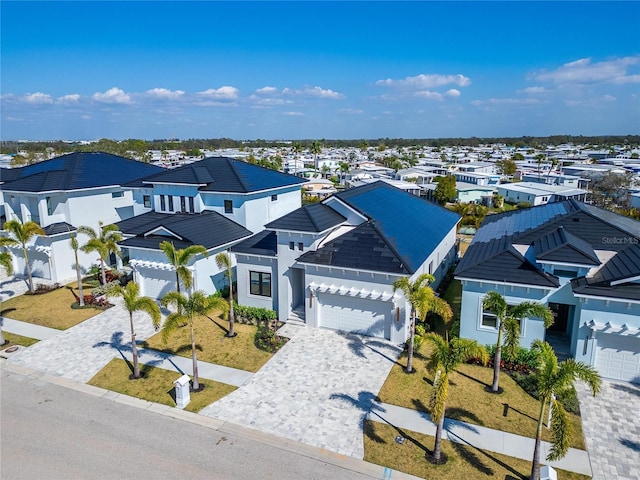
[183,397]
[548,473]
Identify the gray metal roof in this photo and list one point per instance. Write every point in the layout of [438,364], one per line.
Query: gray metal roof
[316,218]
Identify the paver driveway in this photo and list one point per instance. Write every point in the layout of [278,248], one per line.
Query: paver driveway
[315,390]
[611,423]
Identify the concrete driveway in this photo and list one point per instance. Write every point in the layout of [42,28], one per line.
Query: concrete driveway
[316,390]
[611,423]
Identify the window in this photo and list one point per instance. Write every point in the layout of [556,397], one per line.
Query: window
[260,283]
[146,200]
[192,209]
[117,194]
[274,198]
[300,246]
[170,203]
[292,246]
[49,209]
[489,319]
[163,205]
[228,206]
[183,204]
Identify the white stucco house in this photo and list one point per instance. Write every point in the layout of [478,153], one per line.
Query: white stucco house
[581,261]
[533,194]
[332,264]
[61,194]
[215,202]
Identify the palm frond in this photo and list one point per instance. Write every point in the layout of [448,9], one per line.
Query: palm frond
[561,431]
[511,336]
[6,261]
[172,323]
[438,397]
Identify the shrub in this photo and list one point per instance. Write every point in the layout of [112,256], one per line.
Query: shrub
[103,289]
[525,360]
[528,382]
[254,315]
[92,301]
[267,339]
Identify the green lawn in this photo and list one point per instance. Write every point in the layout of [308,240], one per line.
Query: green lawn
[51,309]
[212,345]
[156,385]
[469,402]
[14,339]
[464,462]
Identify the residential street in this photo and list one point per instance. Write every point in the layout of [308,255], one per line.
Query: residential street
[51,432]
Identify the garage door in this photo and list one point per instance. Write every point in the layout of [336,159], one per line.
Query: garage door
[618,357]
[355,315]
[155,283]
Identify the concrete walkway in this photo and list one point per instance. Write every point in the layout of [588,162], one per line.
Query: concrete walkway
[477,437]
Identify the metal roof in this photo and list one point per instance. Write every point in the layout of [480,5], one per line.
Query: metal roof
[222,174]
[76,171]
[316,217]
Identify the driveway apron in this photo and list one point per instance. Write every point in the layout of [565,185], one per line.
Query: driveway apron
[611,423]
[316,390]
[81,351]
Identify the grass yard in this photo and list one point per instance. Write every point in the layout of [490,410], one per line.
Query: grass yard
[51,309]
[213,347]
[156,385]
[464,462]
[469,402]
[14,339]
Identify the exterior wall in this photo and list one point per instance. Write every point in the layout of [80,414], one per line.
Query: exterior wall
[473,196]
[471,312]
[138,195]
[252,263]
[601,311]
[441,259]
[520,197]
[174,191]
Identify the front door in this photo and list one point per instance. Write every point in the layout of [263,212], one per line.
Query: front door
[561,316]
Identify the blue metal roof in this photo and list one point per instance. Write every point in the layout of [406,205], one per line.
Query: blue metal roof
[413,227]
[222,174]
[76,171]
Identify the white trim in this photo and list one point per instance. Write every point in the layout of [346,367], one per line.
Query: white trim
[164,229]
[612,329]
[511,284]
[357,270]
[606,299]
[625,280]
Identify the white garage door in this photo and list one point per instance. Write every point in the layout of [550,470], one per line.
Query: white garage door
[155,283]
[618,357]
[355,315]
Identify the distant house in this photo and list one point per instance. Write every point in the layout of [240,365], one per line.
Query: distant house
[538,193]
[333,264]
[581,261]
[215,202]
[60,194]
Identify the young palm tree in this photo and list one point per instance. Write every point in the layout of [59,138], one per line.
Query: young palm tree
[554,378]
[445,358]
[21,234]
[223,260]
[187,309]
[73,242]
[180,258]
[133,302]
[508,318]
[103,242]
[423,300]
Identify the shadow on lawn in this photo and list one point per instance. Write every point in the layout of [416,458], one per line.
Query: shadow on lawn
[224,329]
[472,378]
[369,431]
[463,415]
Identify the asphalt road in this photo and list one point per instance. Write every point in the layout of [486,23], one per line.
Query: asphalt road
[50,432]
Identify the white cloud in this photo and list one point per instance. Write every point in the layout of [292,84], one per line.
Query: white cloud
[609,98]
[293,114]
[38,97]
[314,92]
[584,71]
[533,90]
[453,92]
[352,111]
[113,95]
[429,95]
[267,90]
[506,101]
[223,93]
[425,81]
[164,93]
[70,98]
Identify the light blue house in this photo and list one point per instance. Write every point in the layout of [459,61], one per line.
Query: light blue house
[581,261]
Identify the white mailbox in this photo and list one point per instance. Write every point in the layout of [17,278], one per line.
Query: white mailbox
[183,396]
[548,473]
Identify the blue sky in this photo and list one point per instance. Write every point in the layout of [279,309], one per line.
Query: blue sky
[312,70]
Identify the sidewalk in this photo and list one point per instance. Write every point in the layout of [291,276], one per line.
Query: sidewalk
[477,437]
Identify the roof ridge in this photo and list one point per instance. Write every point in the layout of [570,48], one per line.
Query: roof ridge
[307,209]
[404,263]
[231,162]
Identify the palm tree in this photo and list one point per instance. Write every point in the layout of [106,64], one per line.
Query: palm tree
[423,300]
[133,302]
[73,242]
[508,318]
[180,259]
[223,260]
[103,242]
[6,259]
[344,169]
[554,378]
[445,358]
[315,149]
[187,309]
[21,234]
